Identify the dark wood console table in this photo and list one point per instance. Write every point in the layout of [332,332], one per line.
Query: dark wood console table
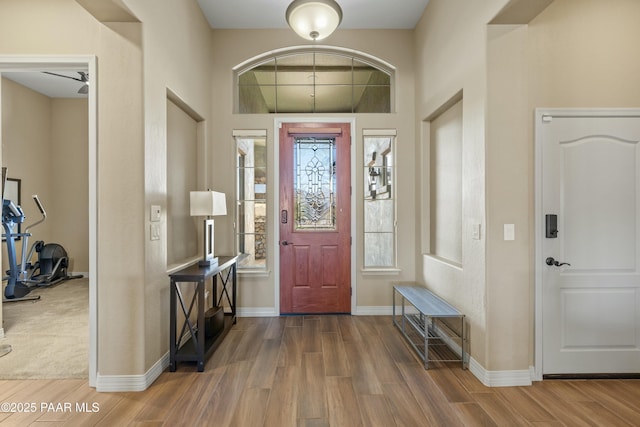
[199,347]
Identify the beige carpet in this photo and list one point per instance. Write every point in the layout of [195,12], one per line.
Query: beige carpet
[49,338]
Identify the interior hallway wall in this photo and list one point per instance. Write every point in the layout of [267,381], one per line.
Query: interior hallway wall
[63,27]
[175,39]
[451,60]
[560,58]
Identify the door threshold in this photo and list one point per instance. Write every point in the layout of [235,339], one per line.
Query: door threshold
[316,314]
[614,376]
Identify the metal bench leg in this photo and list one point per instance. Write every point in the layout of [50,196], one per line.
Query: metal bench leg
[393,297]
[426,345]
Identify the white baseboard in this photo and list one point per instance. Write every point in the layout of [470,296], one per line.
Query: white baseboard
[500,378]
[373,310]
[257,312]
[117,383]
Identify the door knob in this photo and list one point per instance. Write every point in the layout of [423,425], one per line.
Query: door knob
[284,243]
[552,261]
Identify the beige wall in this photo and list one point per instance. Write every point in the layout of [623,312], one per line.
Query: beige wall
[182,177]
[581,54]
[232,47]
[445,184]
[503,73]
[45,145]
[509,153]
[178,53]
[571,65]
[177,63]
[62,27]
[450,58]
[562,58]
[27,148]
[68,208]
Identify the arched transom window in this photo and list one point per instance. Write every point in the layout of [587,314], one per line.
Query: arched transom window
[314,81]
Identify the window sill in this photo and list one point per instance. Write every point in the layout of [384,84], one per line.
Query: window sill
[254,273]
[380,271]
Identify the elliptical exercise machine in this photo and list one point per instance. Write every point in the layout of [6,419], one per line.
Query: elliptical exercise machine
[52,264]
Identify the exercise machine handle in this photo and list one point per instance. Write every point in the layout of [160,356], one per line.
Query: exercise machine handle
[40,207]
[42,211]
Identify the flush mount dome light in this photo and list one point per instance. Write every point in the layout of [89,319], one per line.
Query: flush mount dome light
[314,19]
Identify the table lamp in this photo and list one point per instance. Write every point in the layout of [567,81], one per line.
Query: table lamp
[208,204]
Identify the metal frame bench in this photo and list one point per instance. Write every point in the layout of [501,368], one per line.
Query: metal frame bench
[421,323]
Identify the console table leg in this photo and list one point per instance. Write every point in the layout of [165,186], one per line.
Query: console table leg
[200,332]
[462,343]
[172,328]
[234,281]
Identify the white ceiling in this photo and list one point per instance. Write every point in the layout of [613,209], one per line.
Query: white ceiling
[48,85]
[257,14]
[356,14]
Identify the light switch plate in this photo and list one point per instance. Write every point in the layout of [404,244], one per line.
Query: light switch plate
[156,211]
[155,231]
[509,232]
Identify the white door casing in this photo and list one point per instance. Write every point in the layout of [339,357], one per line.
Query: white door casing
[278,123]
[588,174]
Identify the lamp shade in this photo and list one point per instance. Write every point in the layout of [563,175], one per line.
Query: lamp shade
[208,203]
[314,19]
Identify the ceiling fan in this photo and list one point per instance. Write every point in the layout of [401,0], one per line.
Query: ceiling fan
[84,79]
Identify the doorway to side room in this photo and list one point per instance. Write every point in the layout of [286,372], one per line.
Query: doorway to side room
[64,65]
[588,243]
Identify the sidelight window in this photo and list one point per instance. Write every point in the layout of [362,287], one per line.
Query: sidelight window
[379,200]
[251,199]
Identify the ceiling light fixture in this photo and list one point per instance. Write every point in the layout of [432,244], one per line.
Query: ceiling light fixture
[314,19]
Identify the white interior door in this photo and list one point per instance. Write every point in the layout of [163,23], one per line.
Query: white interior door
[590,166]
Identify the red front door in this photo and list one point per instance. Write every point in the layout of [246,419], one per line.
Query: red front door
[315,218]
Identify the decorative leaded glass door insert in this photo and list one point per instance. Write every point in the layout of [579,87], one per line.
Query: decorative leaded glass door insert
[314,183]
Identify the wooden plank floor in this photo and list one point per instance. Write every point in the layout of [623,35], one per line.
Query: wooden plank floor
[321,371]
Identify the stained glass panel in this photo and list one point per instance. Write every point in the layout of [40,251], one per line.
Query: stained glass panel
[315,183]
